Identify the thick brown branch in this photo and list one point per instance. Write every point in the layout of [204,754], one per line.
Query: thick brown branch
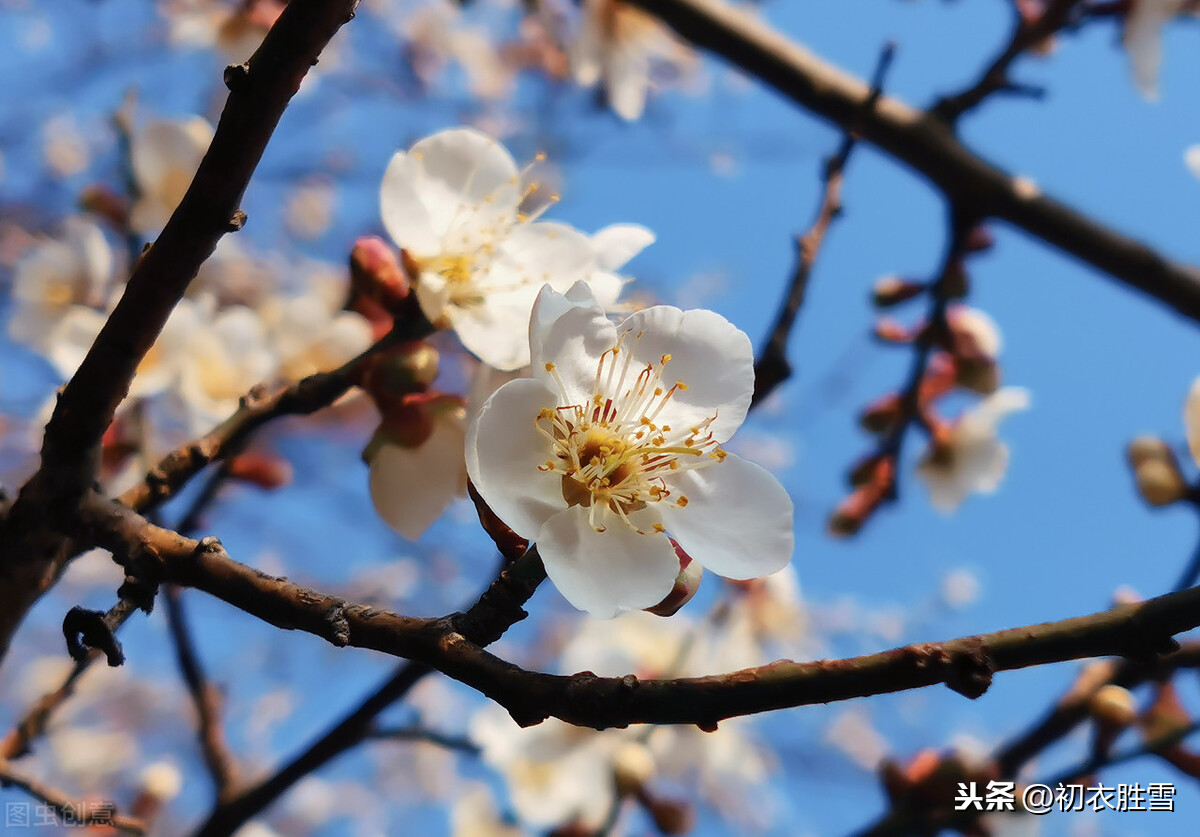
[70,811]
[925,143]
[965,665]
[33,550]
[497,610]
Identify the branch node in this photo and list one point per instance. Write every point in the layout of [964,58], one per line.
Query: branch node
[970,672]
[209,545]
[237,221]
[86,629]
[340,625]
[139,592]
[236,76]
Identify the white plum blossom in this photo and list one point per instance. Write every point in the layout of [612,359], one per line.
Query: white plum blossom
[615,441]
[557,773]
[474,814]
[972,458]
[221,360]
[307,335]
[411,486]
[436,37]
[165,155]
[620,45]
[56,276]
[1142,36]
[453,204]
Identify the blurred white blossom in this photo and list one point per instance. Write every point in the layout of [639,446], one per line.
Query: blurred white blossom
[165,154]
[56,275]
[1142,35]
[624,47]
[971,459]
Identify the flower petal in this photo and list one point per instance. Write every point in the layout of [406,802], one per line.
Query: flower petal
[411,487]
[469,184]
[571,331]
[538,254]
[1191,420]
[738,519]
[1143,41]
[606,572]
[628,80]
[405,216]
[708,354]
[504,450]
[493,332]
[616,244]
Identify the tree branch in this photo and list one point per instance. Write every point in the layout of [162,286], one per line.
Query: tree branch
[772,367]
[33,550]
[452,644]
[495,611]
[1026,34]
[71,811]
[926,144]
[205,697]
[258,407]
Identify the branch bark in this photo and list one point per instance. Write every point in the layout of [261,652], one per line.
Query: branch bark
[452,644]
[34,550]
[926,144]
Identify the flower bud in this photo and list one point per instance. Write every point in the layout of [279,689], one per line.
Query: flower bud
[979,239]
[671,816]
[161,780]
[892,290]
[106,203]
[375,272]
[267,471]
[880,416]
[686,584]
[633,767]
[1113,706]
[892,331]
[1159,482]
[1145,448]
[407,369]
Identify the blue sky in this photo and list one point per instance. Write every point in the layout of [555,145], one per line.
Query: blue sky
[1103,364]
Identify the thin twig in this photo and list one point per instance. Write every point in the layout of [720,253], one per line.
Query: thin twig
[33,723]
[205,697]
[995,79]
[496,610]
[926,144]
[773,367]
[70,811]
[429,736]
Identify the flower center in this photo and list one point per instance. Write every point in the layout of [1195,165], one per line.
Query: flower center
[613,457]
